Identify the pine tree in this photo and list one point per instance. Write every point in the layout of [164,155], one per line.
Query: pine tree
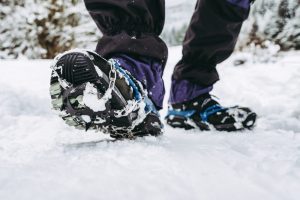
[289,38]
[276,25]
[86,33]
[43,28]
[274,21]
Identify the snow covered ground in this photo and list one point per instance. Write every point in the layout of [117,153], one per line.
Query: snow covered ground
[42,158]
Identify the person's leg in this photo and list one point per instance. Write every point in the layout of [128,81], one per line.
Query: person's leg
[209,40]
[131,32]
[120,94]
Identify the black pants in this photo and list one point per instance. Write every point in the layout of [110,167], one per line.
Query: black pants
[133,28]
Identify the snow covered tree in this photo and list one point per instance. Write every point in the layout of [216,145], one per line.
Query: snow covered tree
[39,28]
[289,37]
[279,15]
[175,35]
[275,21]
[86,33]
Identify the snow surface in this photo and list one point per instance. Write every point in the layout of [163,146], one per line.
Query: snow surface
[42,158]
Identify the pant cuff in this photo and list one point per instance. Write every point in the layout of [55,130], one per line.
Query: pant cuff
[146,45]
[183,91]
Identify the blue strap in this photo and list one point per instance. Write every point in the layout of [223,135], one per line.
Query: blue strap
[210,111]
[204,115]
[186,113]
[136,92]
[150,107]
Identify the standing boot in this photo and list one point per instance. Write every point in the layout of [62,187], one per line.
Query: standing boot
[118,89]
[210,39]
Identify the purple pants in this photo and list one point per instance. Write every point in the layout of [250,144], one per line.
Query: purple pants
[131,32]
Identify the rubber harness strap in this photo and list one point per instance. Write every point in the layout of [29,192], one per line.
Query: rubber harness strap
[211,111]
[186,113]
[150,107]
[136,92]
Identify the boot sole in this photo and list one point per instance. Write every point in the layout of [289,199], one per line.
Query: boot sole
[77,68]
[188,124]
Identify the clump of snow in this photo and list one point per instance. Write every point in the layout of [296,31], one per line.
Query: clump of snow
[92,99]
[86,118]
[131,106]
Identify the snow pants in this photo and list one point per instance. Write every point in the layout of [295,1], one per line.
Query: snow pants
[132,27]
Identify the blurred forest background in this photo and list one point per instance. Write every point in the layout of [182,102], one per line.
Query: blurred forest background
[42,28]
